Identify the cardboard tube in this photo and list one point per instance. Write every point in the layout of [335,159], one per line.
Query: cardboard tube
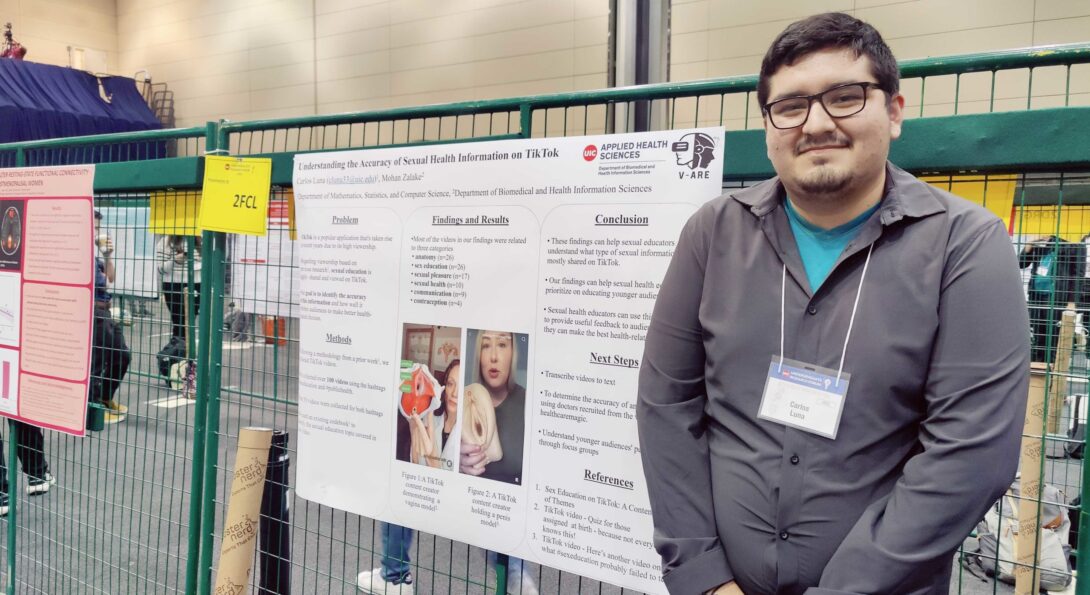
[243,511]
[1026,580]
[1057,392]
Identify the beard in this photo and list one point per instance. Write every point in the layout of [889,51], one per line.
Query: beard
[824,180]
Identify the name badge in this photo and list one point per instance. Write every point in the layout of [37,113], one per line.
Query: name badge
[804,396]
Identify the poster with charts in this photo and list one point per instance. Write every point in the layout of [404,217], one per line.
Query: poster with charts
[472,324]
[47,273]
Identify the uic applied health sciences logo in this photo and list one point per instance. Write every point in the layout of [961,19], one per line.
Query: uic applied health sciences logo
[694,151]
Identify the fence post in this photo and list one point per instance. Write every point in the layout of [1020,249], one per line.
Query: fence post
[211,346]
[194,574]
[526,120]
[13,474]
[213,262]
[1082,551]
[13,479]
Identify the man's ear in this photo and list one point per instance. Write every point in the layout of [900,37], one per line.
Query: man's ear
[768,130]
[896,108]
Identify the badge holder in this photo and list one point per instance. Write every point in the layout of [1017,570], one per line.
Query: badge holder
[805,396]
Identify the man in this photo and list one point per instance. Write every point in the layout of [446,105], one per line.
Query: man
[835,376]
[110,355]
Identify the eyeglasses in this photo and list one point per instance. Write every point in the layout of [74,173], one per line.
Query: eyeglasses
[839,102]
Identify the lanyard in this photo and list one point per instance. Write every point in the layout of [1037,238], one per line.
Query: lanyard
[851,321]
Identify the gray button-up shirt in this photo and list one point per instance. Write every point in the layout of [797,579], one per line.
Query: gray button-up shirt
[929,438]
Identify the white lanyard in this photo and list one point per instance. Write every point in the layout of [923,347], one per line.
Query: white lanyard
[851,321]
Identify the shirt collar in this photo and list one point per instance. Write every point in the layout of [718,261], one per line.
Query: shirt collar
[905,196]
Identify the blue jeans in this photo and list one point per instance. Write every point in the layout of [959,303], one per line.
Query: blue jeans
[396,543]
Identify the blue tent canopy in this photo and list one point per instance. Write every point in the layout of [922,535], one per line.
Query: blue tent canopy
[40,101]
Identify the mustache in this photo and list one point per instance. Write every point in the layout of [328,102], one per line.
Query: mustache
[825,140]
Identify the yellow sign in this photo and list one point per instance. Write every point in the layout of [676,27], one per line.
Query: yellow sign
[995,193]
[1000,195]
[175,213]
[236,194]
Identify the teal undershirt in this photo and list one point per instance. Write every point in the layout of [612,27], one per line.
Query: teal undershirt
[819,248]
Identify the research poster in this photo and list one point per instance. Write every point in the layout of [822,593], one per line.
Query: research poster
[472,323]
[265,269]
[136,269]
[47,250]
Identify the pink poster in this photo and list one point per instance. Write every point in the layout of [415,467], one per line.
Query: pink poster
[47,265]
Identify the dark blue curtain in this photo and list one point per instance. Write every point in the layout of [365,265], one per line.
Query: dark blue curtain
[39,101]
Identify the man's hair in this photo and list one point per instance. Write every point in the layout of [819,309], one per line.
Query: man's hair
[828,31]
[98,215]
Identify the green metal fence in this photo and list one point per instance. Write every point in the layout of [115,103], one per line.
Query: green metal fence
[138,506]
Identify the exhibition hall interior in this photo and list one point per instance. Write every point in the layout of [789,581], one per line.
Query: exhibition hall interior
[553,297]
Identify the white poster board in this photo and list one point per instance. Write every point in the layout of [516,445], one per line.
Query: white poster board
[265,269]
[543,257]
[135,268]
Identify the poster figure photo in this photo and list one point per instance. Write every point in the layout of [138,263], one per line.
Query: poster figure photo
[11,235]
[428,394]
[494,405]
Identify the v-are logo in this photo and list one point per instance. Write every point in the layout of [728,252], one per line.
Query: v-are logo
[695,152]
[590,153]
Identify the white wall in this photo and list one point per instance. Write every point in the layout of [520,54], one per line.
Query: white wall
[48,27]
[714,38]
[247,59]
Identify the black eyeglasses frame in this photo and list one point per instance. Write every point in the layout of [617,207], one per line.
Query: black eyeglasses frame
[820,97]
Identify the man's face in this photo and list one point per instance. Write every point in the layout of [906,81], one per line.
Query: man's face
[831,156]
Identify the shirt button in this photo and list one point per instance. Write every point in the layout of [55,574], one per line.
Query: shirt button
[812,309]
[784,535]
[794,459]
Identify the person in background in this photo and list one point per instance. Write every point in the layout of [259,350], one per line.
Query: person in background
[31,452]
[110,356]
[172,253]
[1056,282]
[394,575]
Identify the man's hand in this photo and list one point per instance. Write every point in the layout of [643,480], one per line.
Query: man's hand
[730,588]
[106,247]
[473,460]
